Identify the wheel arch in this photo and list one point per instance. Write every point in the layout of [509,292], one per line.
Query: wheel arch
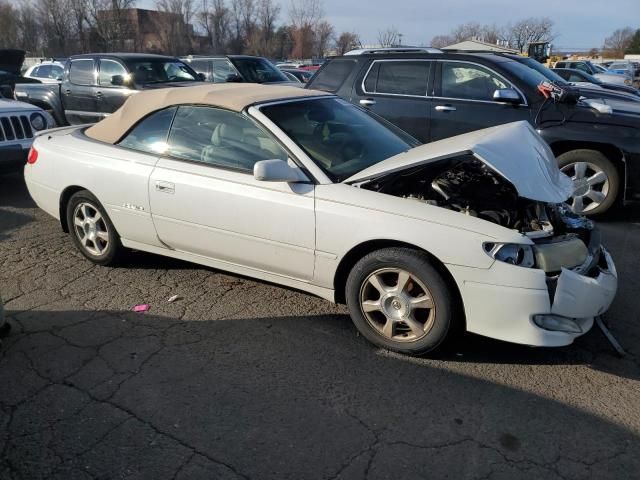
[66,194]
[357,252]
[610,151]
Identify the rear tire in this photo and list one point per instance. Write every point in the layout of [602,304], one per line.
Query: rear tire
[91,229]
[596,179]
[400,302]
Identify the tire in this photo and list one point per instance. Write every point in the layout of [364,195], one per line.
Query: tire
[91,229]
[586,166]
[385,314]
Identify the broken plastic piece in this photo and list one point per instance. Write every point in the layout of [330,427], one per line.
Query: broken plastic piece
[142,308]
[173,298]
[612,340]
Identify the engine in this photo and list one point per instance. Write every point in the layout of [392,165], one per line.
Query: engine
[467,185]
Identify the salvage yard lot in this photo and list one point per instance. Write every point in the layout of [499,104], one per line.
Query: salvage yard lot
[242,379]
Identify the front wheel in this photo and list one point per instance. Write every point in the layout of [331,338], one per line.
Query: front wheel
[91,229]
[399,301]
[595,178]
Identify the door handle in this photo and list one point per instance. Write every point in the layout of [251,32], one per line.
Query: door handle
[99,95]
[67,92]
[445,108]
[165,187]
[367,102]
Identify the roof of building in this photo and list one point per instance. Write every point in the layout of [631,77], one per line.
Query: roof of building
[478,45]
[230,96]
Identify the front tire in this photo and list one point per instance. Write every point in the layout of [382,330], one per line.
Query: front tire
[399,301]
[91,229]
[595,178]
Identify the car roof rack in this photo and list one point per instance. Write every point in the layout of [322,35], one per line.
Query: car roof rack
[370,51]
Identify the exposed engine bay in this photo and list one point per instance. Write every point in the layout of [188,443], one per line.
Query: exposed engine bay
[467,185]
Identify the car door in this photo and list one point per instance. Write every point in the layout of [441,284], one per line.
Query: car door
[78,92]
[463,100]
[113,89]
[205,200]
[397,91]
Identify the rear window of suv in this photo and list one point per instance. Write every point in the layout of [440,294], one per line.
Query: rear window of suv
[331,77]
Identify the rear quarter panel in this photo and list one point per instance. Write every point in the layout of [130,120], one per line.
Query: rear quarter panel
[116,176]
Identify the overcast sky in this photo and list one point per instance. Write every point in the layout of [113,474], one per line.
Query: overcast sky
[579,24]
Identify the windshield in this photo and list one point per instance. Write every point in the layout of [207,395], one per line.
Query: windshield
[539,68]
[161,71]
[258,70]
[339,137]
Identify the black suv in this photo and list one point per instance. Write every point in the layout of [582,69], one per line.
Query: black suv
[434,94]
[236,68]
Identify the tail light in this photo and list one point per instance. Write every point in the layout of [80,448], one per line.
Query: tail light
[33,156]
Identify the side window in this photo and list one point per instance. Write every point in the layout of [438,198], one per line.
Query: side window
[44,71]
[81,72]
[34,72]
[582,67]
[150,134]
[221,138]
[201,66]
[331,77]
[56,71]
[399,78]
[574,77]
[468,81]
[222,70]
[110,69]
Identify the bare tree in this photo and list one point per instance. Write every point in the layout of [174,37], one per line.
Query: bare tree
[618,42]
[262,40]
[324,34]
[346,41]
[111,22]
[467,31]
[440,41]
[388,37]
[530,30]
[173,24]
[305,15]
[30,36]
[214,19]
[9,21]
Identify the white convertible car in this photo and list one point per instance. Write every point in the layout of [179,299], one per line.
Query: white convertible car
[302,189]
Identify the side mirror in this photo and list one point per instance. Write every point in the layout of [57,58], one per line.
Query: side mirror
[117,80]
[202,77]
[234,78]
[507,95]
[277,171]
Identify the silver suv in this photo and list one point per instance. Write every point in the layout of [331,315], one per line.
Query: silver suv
[19,123]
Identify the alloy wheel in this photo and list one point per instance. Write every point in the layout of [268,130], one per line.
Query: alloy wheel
[591,185]
[91,229]
[397,304]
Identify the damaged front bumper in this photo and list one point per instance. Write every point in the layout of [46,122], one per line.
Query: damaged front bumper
[519,305]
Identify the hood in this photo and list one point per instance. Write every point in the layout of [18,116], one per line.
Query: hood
[8,105]
[515,151]
[11,60]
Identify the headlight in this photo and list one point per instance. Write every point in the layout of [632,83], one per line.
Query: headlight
[38,121]
[513,253]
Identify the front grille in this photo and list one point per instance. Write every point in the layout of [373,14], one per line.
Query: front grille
[15,127]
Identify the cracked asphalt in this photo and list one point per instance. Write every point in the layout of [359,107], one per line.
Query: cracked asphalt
[245,380]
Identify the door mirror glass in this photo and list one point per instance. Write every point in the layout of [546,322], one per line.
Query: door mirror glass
[277,171]
[507,95]
[202,77]
[117,80]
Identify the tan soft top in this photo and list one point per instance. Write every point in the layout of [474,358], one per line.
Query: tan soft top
[232,96]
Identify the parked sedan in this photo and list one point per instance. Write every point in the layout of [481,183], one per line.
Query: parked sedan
[584,79]
[592,69]
[303,189]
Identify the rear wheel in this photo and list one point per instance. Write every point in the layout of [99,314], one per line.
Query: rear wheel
[399,301]
[91,229]
[595,178]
